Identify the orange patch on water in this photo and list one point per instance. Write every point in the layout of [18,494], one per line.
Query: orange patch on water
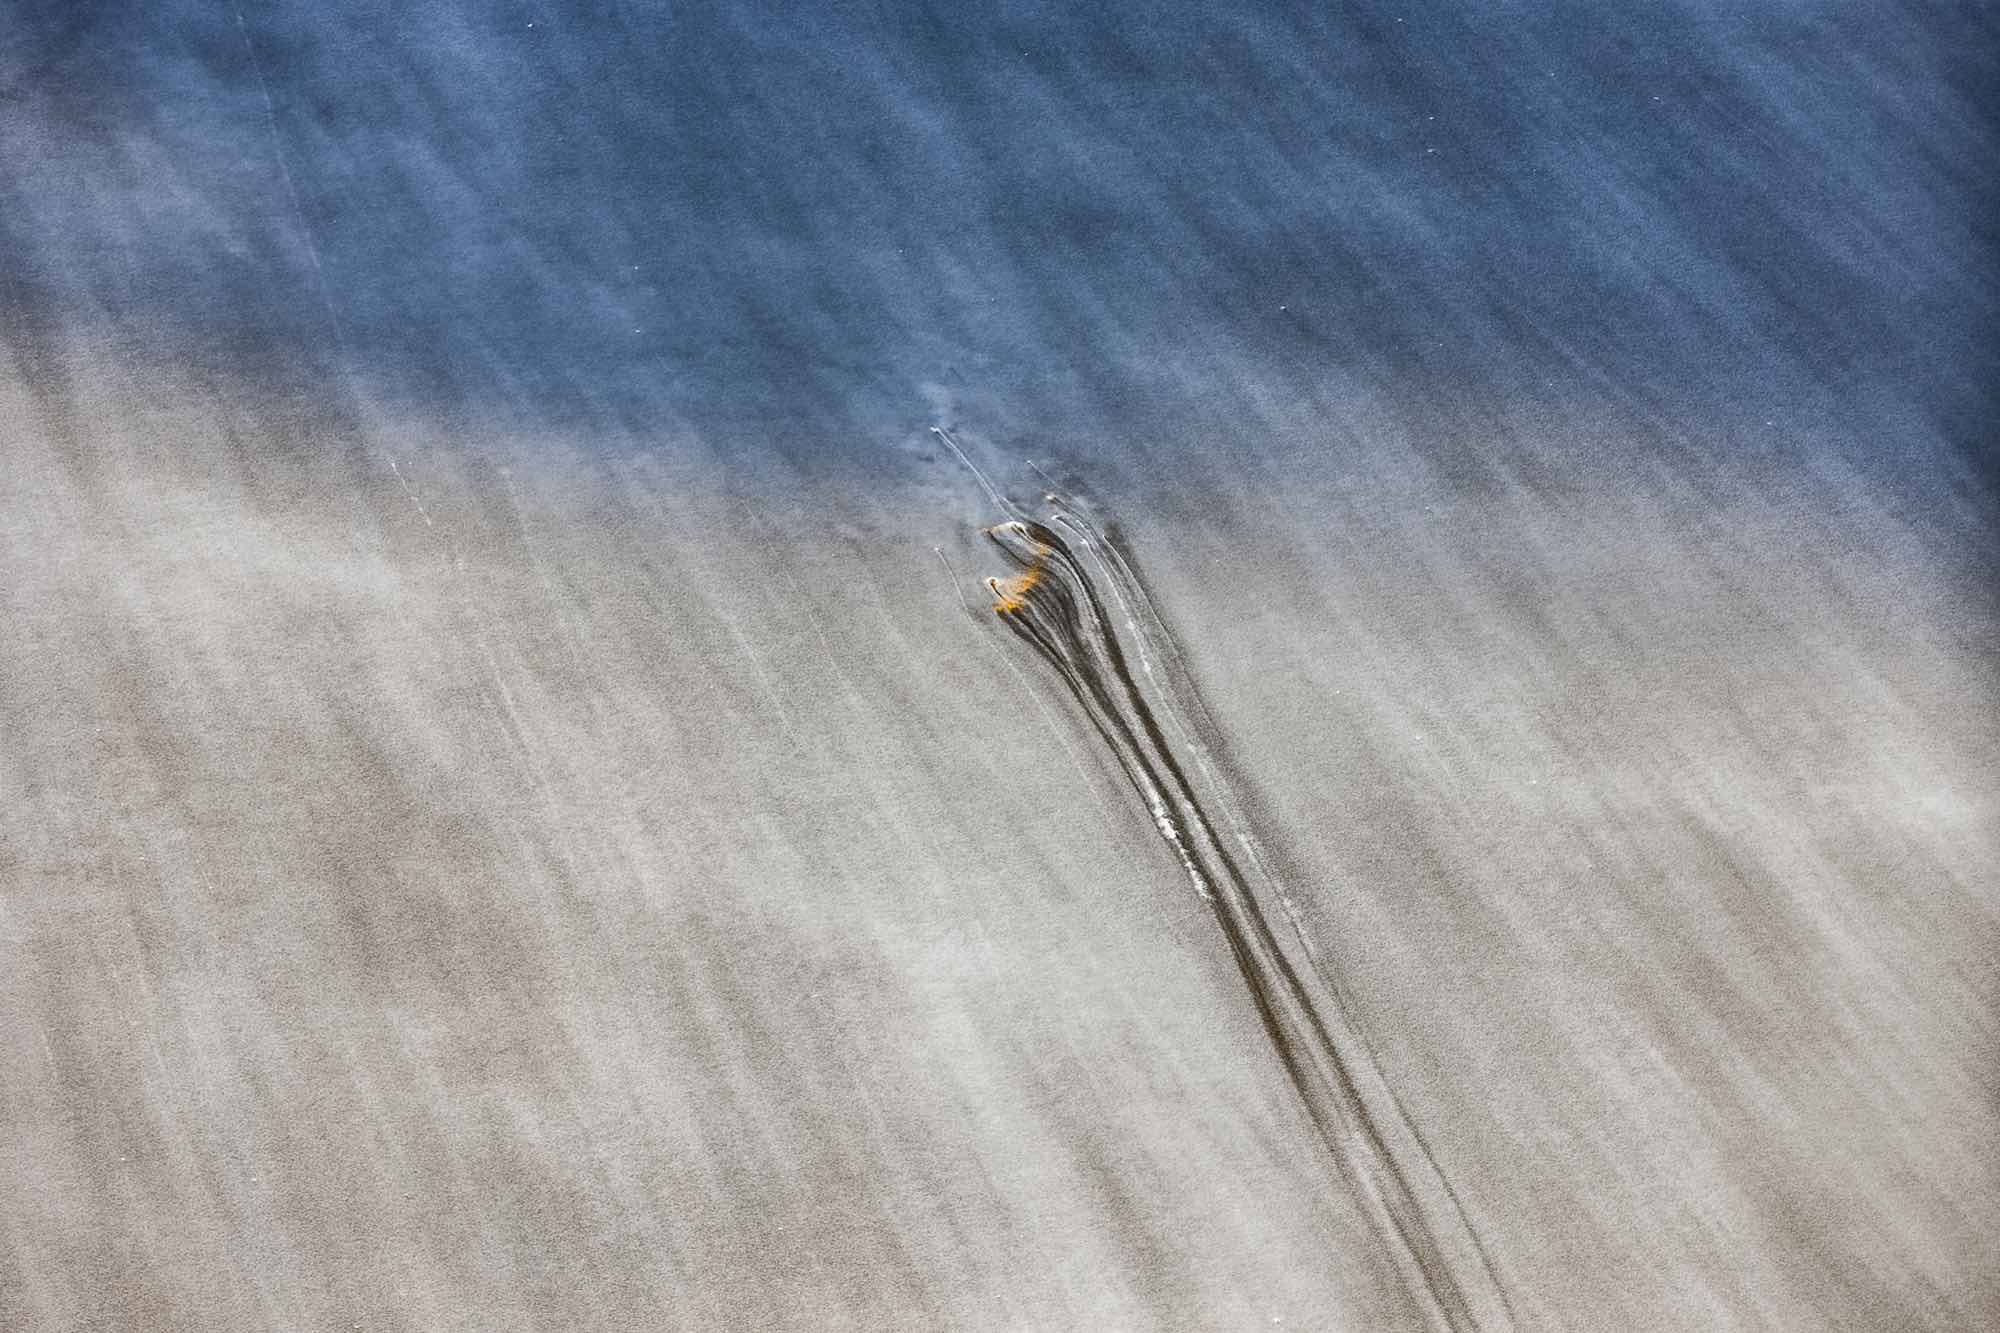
[1013,594]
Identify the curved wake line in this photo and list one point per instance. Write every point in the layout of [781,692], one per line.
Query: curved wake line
[1054,604]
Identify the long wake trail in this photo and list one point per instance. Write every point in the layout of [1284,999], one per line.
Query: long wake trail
[1060,602]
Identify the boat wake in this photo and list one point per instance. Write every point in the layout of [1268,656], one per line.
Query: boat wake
[1076,600]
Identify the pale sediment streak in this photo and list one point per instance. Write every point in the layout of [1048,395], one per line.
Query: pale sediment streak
[1056,606]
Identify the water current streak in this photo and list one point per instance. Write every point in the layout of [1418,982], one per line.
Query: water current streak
[1056,606]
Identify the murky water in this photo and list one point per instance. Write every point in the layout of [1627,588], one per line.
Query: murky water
[517,808]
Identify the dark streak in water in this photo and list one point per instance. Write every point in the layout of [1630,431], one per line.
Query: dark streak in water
[1054,604]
